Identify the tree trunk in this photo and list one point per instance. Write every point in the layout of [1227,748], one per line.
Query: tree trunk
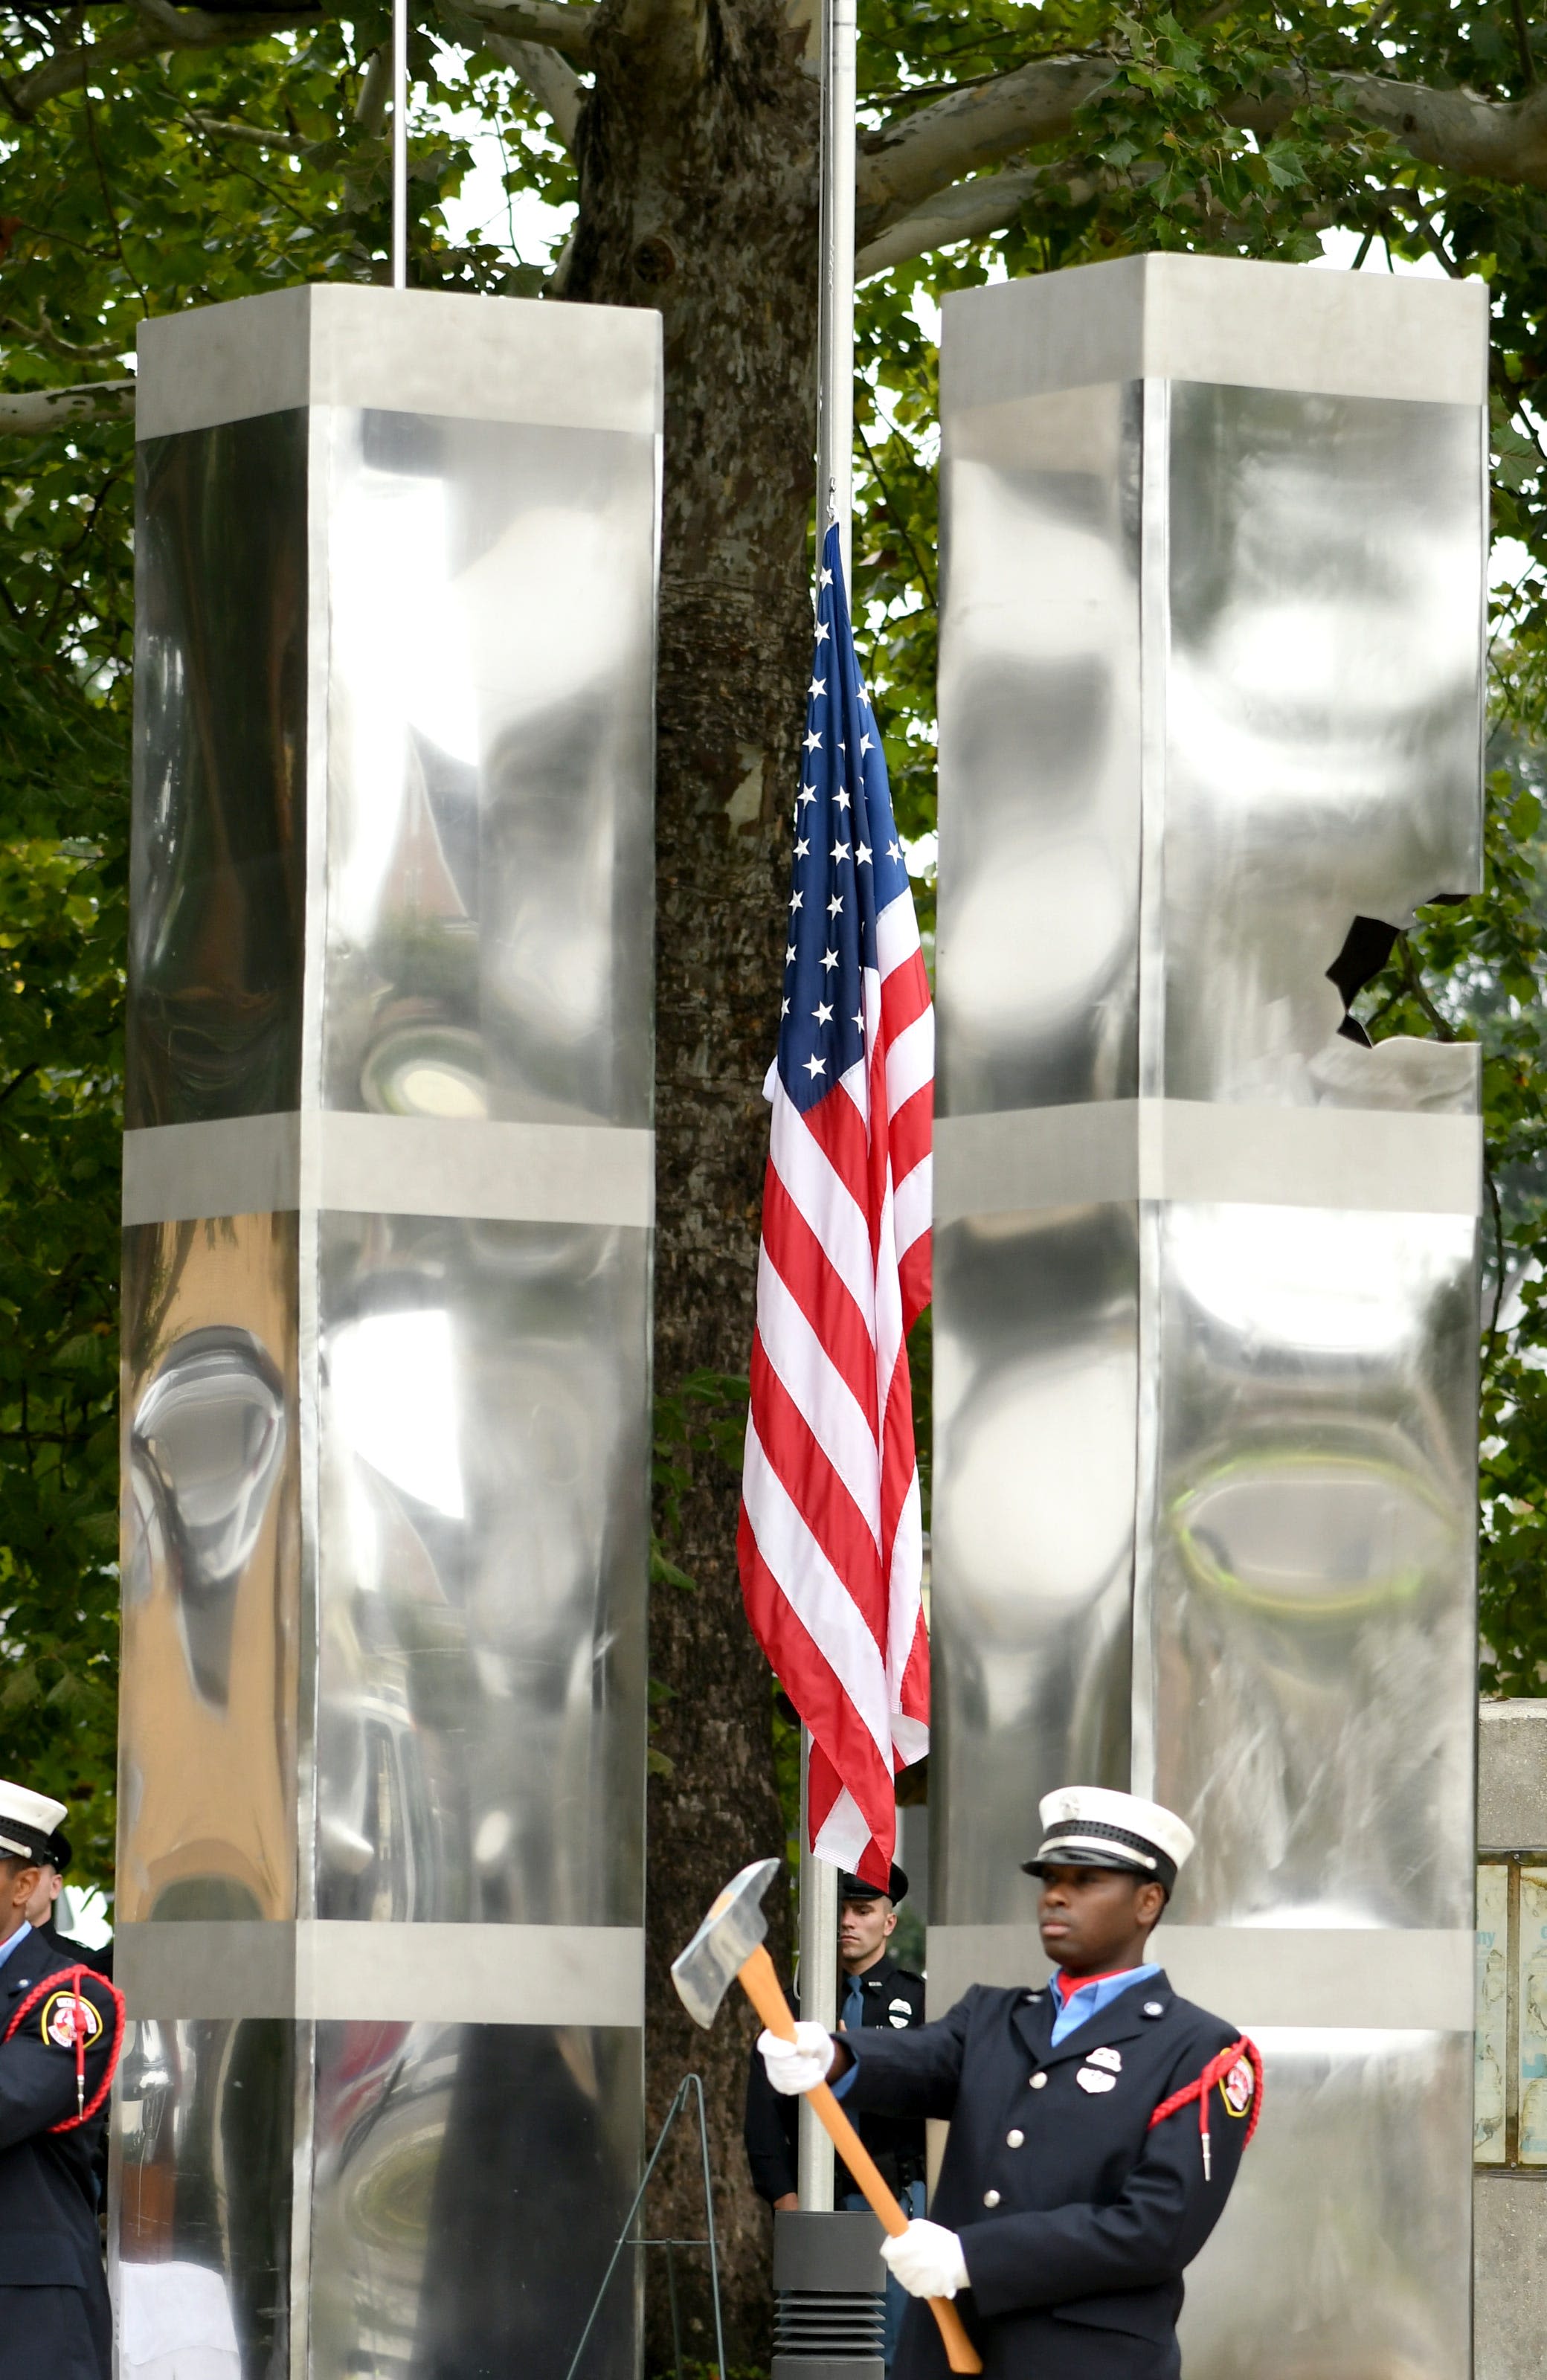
[698,151]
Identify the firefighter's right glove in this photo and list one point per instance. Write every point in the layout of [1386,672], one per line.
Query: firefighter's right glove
[800,2065]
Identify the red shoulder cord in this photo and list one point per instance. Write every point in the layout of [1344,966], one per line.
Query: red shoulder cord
[1200,2089]
[70,1978]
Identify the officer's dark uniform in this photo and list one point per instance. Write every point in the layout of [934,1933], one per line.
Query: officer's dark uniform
[54,2319]
[76,1954]
[59,1854]
[893,1999]
[1076,2218]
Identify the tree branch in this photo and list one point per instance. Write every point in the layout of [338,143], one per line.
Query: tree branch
[927,150]
[24,412]
[969,211]
[1492,139]
[223,129]
[42,334]
[911,160]
[375,91]
[568,26]
[161,28]
[550,80]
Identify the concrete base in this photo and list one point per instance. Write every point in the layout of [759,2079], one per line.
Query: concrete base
[1512,1776]
[1509,2305]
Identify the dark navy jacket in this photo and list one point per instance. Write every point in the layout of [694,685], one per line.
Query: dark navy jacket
[55,2318]
[890,1996]
[1075,2232]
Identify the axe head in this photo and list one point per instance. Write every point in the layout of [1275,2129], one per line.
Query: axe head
[704,1973]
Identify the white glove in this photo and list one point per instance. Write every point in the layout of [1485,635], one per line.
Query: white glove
[927,2260]
[799,2065]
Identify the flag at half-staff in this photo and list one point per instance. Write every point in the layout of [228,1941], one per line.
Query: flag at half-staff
[830,1542]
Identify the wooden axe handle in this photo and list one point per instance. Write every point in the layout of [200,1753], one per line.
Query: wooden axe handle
[761,1986]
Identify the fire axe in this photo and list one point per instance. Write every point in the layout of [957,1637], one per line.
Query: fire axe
[728,1947]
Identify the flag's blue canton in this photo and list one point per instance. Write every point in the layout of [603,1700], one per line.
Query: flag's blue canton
[848,863]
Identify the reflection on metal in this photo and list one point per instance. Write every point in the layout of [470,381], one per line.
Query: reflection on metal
[208,1437]
[480,1672]
[208,1721]
[1206,1307]
[386,1331]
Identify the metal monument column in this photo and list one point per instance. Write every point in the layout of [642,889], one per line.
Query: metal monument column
[1206,1302]
[387,1199]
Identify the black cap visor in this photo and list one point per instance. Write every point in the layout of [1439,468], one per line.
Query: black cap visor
[854,1887]
[1069,1844]
[24,1843]
[1056,1858]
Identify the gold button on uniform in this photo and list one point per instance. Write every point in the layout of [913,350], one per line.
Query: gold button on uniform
[1014,2139]
[991,2198]
[1038,2081]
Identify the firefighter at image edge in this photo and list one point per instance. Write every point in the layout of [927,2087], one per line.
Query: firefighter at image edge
[61,2028]
[1097,2121]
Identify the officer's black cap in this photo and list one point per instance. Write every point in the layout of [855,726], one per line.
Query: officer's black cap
[854,1887]
[60,1852]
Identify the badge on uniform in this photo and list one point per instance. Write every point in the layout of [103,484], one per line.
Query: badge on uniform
[1111,2058]
[1095,2078]
[1236,2087]
[61,2012]
[900,2012]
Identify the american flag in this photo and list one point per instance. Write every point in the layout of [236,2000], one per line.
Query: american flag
[830,1539]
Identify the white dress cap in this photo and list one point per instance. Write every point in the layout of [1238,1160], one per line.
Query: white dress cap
[1091,1823]
[27,1820]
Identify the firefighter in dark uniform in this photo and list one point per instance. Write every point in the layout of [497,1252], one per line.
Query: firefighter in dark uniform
[61,2026]
[872,1992]
[1097,2121]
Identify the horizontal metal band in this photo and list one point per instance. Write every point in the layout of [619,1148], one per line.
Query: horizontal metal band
[1379,1978]
[1391,1160]
[1233,322]
[335,1162]
[334,1968]
[433,352]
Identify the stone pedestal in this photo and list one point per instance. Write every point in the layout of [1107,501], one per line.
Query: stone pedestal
[1509,2298]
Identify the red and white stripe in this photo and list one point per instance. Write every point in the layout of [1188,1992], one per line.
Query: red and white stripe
[830,1540]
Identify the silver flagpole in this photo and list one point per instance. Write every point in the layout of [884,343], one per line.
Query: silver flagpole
[400,144]
[836,337]
[819,1880]
[819,1991]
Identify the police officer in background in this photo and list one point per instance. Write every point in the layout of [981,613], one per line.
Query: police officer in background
[60,2029]
[40,1910]
[1097,2121]
[872,1992]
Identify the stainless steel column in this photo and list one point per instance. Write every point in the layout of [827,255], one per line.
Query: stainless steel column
[1206,1293]
[387,1195]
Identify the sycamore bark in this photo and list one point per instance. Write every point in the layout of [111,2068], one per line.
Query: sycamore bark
[697,150]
